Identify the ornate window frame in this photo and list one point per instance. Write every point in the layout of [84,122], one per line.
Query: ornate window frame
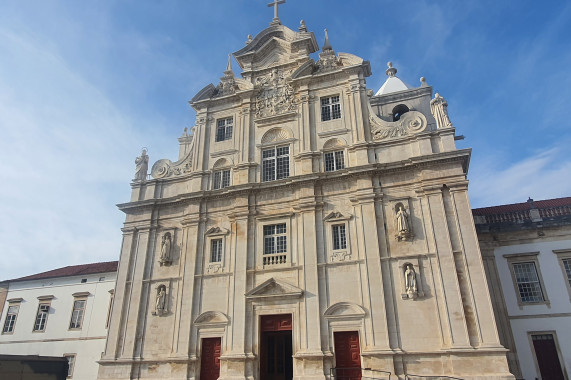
[521,258]
[335,218]
[215,233]
[275,260]
[563,257]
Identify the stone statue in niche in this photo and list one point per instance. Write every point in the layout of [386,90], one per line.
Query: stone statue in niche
[166,248]
[141,166]
[161,301]
[402,222]
[439,106]
[410,281]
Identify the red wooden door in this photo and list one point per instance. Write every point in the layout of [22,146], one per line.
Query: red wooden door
[347,355]
[547,358]
[210,359]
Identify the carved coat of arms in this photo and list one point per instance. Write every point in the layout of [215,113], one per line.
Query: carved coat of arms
[276,94]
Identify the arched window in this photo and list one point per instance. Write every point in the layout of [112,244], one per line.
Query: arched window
[398,111]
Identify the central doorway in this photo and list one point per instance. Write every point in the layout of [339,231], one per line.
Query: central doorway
[276,362]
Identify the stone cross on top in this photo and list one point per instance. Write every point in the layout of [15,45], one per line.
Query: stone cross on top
[275,4]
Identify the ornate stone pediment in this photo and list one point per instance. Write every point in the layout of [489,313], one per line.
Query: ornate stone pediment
[344,310]
[211,318]
[277,43]
[273,288]
[410,123]
[275,95]
[217,231]
[336,215]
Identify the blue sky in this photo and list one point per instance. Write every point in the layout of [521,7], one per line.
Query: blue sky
[85,84]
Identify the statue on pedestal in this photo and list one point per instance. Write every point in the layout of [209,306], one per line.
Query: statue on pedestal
[410,282]
[166,247]
[161,301]
[439,106]
[141,166]
[403,227]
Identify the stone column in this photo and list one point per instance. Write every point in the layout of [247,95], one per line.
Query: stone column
[485,324]
[116,329]
[237,352]
[310,357]
[448,294]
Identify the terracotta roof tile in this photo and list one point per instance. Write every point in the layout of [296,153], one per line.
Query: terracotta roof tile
[73,270]
[515,207]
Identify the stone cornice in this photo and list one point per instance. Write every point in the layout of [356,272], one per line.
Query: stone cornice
[349,173]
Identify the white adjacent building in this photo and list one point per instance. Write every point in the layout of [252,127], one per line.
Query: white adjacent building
[527,254]
[308,229]
[62,312]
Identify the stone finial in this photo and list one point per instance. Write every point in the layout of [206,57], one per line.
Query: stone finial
[423,82]
[249,39]
[302,27]
[326,44]
[391,71]
[229,66]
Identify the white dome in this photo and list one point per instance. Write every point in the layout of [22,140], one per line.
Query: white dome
[393,83]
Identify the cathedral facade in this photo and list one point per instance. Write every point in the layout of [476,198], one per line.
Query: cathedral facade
[309,229]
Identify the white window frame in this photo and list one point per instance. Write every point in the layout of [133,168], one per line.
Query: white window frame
[527,258]
[224,129]
[564,256]
[71,364]
[275,158]
[337,164]
[216,250]
[330,107]
[42,314]
[221,179]
[215,233]
[77,318]
[16,304]
[339,232]
[332,220]
[277,259]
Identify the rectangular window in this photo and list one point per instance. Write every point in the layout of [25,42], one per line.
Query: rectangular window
[275,163]
[567,267]
[528,282]
[221,179]
[224,129]
[275,239]
[42,317]
[10,321]
[334,161]
[339,237]
[330,108]
[77,314]
[216,250]
[70,364]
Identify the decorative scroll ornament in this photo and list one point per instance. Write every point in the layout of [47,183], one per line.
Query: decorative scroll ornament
[410,123]
[166,168]
[276,94]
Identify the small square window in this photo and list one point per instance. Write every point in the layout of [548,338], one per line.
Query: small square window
[275,163]
[528,282]
[224,129]
[330,108]
[221,179]
[334,161]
